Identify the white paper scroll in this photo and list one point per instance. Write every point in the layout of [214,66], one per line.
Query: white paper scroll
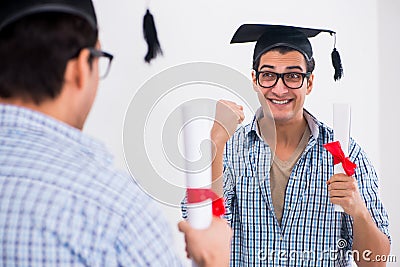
[341,133]
[196,135]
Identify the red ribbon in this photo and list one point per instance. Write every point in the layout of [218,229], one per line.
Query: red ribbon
[338,157]
[197,195]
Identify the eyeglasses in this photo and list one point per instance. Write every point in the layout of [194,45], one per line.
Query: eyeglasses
[105,60]
[292,80]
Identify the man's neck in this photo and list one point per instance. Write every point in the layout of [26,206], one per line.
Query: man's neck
[290,134]
[284,137]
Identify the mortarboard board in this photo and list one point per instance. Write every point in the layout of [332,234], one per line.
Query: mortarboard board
[13,10]
[271,36]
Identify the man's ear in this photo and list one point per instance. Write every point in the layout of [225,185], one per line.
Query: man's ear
[78,70]
[84,68]
[254,79]
[310,83]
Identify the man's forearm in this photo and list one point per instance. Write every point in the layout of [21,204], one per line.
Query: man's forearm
[368,237]
[217,168]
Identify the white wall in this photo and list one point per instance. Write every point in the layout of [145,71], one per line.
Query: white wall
[389,69]
[192,31]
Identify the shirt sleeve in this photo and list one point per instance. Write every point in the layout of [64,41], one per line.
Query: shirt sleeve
[184,207]
[144,238]
[229,191]
[368,186]
[369,190]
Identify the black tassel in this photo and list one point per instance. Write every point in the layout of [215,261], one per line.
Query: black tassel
[150,35]
[337,64]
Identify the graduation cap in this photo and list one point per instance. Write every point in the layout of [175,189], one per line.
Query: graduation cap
[13,10]
[271,36]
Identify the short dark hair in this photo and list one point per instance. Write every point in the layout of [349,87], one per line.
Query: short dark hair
[283,50]
[34,52]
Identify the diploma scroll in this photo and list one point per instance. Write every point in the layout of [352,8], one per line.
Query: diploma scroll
[196,136]
[341,133]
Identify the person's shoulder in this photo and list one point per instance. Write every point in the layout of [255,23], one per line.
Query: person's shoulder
[242,132]
[89,173]
[111,188]
[357,152]
[326,135]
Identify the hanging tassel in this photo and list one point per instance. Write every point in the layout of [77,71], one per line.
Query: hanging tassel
[336,61]
[150,35]
[337,64]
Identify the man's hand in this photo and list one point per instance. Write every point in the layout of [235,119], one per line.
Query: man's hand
[343,191]
[227,117]
[209,247]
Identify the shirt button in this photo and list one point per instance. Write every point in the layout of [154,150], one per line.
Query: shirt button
[294,177]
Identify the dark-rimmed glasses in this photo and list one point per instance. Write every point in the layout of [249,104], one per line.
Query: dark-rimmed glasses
[105,60]
[292,80]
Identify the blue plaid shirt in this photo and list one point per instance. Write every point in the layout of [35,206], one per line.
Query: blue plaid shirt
[311,232]
[62,203]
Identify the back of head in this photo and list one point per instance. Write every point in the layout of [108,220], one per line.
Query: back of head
[37,38]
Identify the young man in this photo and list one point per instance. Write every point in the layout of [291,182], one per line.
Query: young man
[62,202]
[278,179]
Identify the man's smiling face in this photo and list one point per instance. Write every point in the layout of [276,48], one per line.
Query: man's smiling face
[286,104]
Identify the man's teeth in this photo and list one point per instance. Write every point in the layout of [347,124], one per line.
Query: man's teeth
[280,102]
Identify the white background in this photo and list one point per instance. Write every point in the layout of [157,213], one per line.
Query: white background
[368,39]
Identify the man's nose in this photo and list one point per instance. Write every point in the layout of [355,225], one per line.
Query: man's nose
[280,88]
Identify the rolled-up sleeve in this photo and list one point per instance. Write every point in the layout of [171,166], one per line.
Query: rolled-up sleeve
[368,185]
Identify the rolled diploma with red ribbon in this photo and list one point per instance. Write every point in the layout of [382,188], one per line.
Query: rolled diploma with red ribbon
[196,130]
[341,133]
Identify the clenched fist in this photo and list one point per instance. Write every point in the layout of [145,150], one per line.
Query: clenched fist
[228,115]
